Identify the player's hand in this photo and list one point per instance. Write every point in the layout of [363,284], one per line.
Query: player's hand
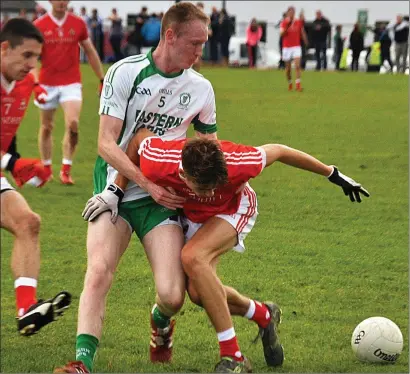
[349,186]
[40,94]
[24,169]
[109,199]
[100,87]
[164,197]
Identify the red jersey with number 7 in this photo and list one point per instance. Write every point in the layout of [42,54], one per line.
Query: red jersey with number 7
[160,162]
[15,97]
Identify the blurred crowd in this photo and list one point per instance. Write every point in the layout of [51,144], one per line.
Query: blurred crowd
[385,35]
[115,39]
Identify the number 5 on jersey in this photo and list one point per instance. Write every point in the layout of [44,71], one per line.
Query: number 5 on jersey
[161,102]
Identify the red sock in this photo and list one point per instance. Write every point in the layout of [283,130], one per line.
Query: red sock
[25,289]
[230,348]
[65,168]
[261,316]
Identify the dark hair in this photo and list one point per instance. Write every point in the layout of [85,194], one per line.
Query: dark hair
[17,29]
[203,160]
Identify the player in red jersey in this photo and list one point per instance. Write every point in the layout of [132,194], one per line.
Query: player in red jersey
[20,48]
[63,32]
[291,31]
[217,218]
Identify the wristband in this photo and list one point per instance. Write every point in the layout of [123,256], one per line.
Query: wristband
[36,84]
[332,171]
[116,191]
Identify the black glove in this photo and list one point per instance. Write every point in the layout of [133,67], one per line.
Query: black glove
[349,186]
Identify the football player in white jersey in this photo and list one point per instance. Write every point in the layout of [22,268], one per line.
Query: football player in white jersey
[158,91]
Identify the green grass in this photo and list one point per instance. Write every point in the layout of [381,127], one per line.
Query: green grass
[329,263]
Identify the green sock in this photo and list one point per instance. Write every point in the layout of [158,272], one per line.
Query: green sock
[160,319]
[85,348]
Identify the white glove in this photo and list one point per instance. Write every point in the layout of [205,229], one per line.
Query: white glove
[109,199]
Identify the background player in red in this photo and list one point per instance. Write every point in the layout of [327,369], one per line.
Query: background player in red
[291,31]
[21,44]
[60,76]
[217,218]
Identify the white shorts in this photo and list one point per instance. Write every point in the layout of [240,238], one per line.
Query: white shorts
[242,221]
[60,94]
[289,53]
[5,185]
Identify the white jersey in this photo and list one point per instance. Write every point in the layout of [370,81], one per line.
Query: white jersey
[136,92]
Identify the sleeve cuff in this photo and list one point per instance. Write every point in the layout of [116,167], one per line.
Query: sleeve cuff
[144,142]
[263,154]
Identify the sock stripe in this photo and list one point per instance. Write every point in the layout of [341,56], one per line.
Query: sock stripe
[24,281]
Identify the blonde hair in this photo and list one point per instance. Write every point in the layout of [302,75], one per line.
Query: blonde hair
[179,14]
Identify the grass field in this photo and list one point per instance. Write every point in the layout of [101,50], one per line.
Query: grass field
[329,263]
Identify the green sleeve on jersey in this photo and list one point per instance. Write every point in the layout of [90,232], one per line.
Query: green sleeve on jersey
[204,128]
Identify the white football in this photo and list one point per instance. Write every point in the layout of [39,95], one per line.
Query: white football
[377,340]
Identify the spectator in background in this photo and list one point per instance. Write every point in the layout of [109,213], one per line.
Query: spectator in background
[225,33]
[356,45]
[321,29]
[22,13]
[253,36]
[151,31]
[38,12]
[85,18]
[338,43]
[385,45]
[302,42]
[116,34]
[136,39]
[214,38]
[401,39]
[96,32]
[71,10]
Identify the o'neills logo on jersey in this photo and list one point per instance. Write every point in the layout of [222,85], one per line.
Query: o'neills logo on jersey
[156,122]
[165,91]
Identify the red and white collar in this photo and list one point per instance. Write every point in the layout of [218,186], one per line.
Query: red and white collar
[8,87]
[58,22]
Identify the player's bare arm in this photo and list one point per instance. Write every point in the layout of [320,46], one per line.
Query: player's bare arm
[93,58]
[110,128]
[302,160]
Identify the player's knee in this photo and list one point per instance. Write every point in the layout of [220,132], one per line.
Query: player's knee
[192,263]
[193,295]
[171,299]
[99,278]
[29,224]
[47,127]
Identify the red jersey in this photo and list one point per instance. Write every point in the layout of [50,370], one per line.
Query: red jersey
[15,97]
[292,38]
[60,56]
[160,162]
